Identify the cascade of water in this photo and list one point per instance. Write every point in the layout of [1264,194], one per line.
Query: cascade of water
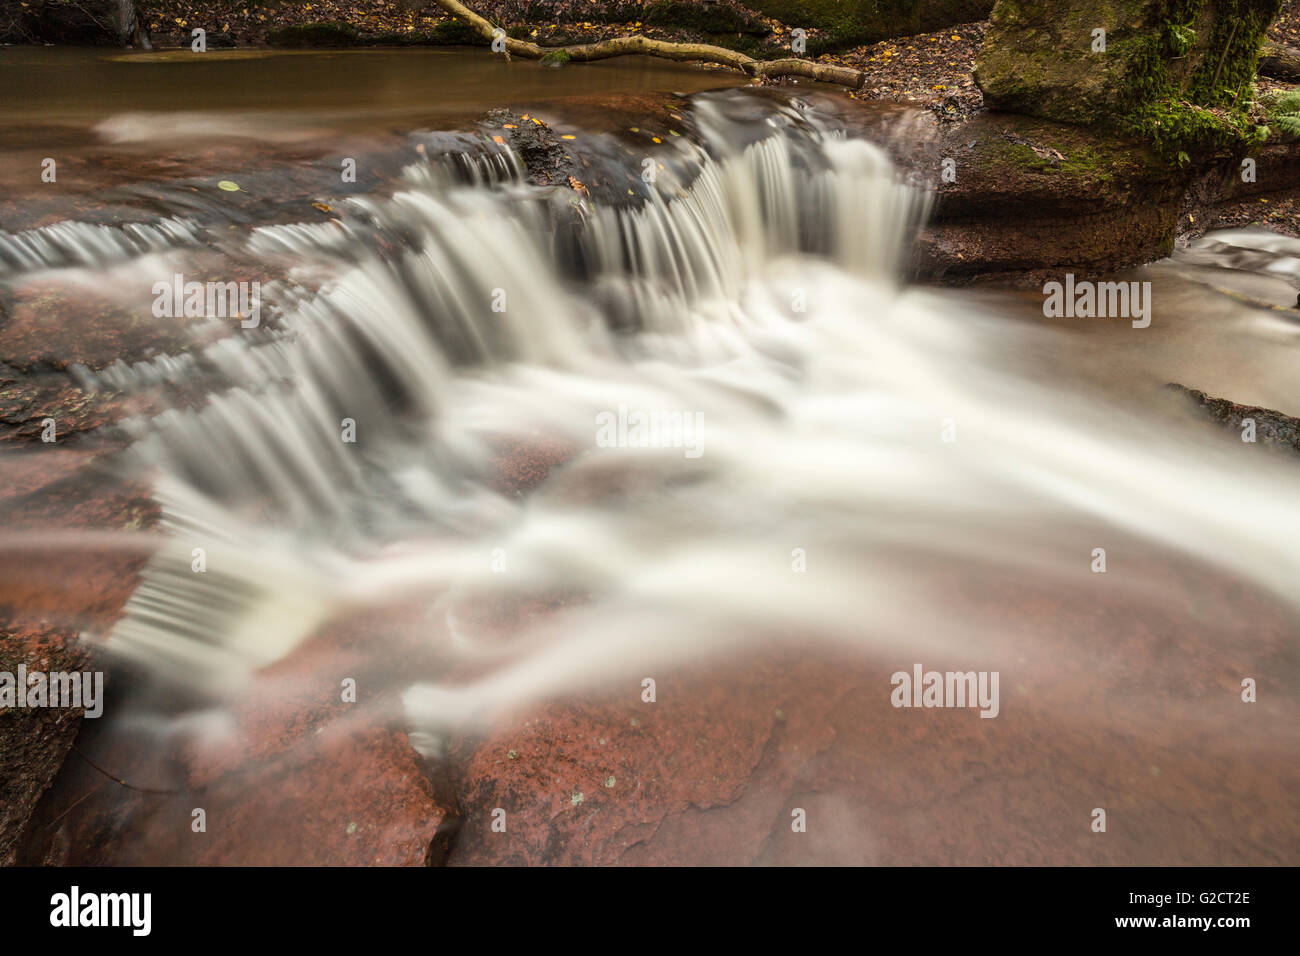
[83,244]
[757,300]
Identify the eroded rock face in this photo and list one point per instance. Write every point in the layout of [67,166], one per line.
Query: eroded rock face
[1026,195]
[1083,60]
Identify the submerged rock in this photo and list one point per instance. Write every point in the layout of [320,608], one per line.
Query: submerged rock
[1269,427]
[292,774]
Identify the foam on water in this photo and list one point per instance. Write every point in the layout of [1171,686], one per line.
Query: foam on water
[760,292]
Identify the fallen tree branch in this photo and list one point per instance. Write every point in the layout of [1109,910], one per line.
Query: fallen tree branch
[638,44]
[1279,61]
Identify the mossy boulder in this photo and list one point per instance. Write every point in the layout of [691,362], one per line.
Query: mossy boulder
[329,33]
[713,18]
[1031,195]
[866,21]
[1087,61]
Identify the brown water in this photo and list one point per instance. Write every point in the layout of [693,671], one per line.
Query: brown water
[262,90]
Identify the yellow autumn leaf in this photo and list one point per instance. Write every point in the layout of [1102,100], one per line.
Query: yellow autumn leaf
[228,186]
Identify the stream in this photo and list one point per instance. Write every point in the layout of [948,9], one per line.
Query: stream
[746,432]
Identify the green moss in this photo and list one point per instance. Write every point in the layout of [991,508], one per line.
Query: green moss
[455,33]
[855,22]
[555,58]
[717,18]
[1179,130]
[1086,164]
[1187,104]
[329,33]
[1173,73]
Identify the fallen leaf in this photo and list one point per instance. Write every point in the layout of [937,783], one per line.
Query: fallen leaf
[228,186]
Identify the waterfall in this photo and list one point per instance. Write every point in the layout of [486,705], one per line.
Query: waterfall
[877,430]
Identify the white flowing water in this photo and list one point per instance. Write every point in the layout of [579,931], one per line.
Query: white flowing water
[857,439]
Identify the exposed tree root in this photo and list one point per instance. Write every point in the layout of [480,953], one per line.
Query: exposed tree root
[638,44]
